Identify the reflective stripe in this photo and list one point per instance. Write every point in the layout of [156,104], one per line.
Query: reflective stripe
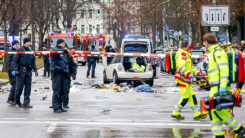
[179,106]
[218,130]
[212,70]
[214,83]
[184,57]
[223,64]
[234,126]
[217,124]
[184,71]
[225,77]
[194,107]
[230,120]
[183,78]
[182,67]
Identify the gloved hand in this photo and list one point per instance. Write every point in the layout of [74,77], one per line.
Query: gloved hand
[36,74]
[73,77]
[65,51]
[191,76]
[13,73]
[222,91]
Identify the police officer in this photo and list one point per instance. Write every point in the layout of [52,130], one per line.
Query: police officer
[111,50]
[92,63]
[23,66]
[11,72]
[46,63]
[183,78]
[218,72]
[72,73]
[59,68]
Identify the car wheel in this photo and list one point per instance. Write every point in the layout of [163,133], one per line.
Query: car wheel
[150,82]
[105,80]
[115,79]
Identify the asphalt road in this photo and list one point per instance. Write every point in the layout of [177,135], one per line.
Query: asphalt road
[100,113]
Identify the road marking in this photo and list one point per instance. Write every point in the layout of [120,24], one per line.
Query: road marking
[48,119]
[52,127]
[15,118]
[107,123]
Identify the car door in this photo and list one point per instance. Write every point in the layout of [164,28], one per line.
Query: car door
[110,68]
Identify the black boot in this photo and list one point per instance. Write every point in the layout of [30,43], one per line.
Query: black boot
[178,117]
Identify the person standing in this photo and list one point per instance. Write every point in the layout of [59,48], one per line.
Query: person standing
[92,63]
[11,72]
[46,63]
[183,78]
[218,73]
[72,73]
[59,68]
[23,66]
[110,50]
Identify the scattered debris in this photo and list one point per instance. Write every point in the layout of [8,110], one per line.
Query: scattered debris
[144,88]
[77,83]
[44,97]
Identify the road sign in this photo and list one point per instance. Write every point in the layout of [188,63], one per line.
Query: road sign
[216,15]
[214,29]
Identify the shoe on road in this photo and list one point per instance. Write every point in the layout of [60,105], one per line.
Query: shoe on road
[200,117]
[51,106]
[11,102]
[19,105]
[66,106]
[57,111]
[178,117]
[63,110]
[27,106]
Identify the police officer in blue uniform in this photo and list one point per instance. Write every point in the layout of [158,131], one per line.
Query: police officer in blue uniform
[11,72]
[72,73]
[23,66]
[46,63]
[59,68]
[92,63]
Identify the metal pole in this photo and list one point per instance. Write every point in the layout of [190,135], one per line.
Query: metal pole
[215,3]
[154,29]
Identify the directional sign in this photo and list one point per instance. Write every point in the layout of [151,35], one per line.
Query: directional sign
[216,15]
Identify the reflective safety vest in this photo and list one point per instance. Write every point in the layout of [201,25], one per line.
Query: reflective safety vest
[184,67]
[218,70]
[138,67]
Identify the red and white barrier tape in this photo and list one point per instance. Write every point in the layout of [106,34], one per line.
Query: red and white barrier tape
[101,54]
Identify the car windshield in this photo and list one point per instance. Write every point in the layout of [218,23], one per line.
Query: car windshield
[69,42]
[143,48]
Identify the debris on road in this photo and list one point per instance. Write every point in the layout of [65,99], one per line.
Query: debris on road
[144,88]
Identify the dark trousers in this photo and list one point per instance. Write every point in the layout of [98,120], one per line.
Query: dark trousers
[24,79]
[58,86]
[12,81]
[46,69]
[93,65]
[67,91]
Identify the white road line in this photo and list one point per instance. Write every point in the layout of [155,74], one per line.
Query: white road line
[48,119]
[15,118]
[107,123]
[52,127]
[77,119]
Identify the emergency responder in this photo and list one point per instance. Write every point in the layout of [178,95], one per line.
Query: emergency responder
[11,72]
[72,73]
[228,46]
[183,78]
[139,65]
[46,63]
[111,50]
[23,66]
[59,68]
[92,63]
[218,72]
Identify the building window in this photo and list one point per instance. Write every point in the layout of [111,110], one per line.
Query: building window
[98,29]
[83,29]
[98,13]
[74,27]
[90,29]
[82,13]
[90,13]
